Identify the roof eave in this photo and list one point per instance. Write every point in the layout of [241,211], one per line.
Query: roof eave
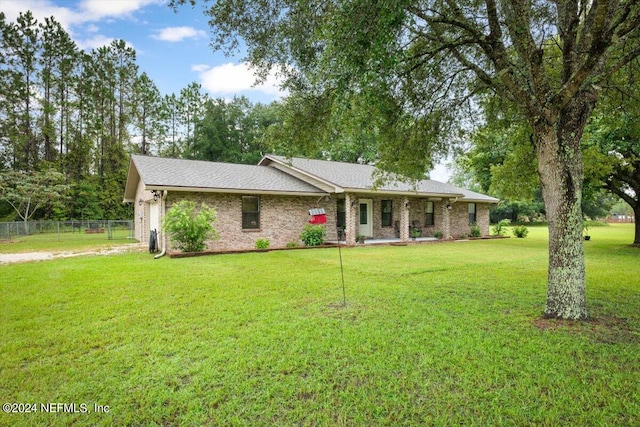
[472,200]
[133,177]
[150,187]
[402,193]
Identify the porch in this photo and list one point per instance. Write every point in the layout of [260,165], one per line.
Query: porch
[389,219]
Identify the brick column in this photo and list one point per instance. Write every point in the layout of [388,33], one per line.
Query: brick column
[446,219]
[351,210]
[404,219]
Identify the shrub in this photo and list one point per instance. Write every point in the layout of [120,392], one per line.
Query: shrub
[520,231]
[190,229]
[475,231]
[500,229]
[438,234]
[313,235]
[262,244]
[292,245]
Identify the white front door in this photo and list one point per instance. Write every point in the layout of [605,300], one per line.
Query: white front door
[366,217]
[154,214]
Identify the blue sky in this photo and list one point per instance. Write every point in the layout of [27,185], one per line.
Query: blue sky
[172,48]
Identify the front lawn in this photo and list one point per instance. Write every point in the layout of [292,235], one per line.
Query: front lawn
[434,334]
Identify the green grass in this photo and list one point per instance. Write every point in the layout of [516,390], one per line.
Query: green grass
[54,242]
[438,334]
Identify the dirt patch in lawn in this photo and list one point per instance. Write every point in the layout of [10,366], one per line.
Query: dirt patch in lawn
[602,329]
[43,256]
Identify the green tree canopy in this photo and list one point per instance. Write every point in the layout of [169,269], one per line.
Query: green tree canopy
[27,192]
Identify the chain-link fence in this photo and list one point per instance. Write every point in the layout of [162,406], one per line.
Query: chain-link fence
[61,230]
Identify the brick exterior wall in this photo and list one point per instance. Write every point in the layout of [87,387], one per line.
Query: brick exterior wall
[460,218]
[283,217]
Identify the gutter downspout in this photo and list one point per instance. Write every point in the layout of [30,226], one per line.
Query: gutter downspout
[163,208]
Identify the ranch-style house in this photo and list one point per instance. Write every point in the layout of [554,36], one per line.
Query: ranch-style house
[276,198]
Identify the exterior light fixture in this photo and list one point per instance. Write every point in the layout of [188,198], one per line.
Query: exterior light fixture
[140,202]
[449,206]
[155,195]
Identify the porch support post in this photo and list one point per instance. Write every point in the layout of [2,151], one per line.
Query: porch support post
[351,210]
[404,220]
[447,206]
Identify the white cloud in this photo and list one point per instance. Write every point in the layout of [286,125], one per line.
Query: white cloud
[95,10]
[177,34]
[200,67]
[91,28]
[40,9]
[228,79]
[94,42]
[87,11]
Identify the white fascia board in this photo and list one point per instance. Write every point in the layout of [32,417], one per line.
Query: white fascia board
[432,196]
[233,191]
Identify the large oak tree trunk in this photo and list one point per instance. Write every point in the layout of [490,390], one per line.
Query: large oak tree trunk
[561,175]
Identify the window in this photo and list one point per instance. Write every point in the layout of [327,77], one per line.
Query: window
[250,212]
[472,213]
[341,217]
[387,213]
[428,213]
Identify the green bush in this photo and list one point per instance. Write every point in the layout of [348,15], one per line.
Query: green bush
[292,245]
[313,235]
[475,231]
[500,229]
[520,231]
[190,229]
[262,244]
[438,234]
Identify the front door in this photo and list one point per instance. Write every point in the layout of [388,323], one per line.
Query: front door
[154,213]
[366,208]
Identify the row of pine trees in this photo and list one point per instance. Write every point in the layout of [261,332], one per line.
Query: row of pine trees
[83,113]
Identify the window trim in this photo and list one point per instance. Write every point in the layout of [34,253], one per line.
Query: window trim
[257,213]
[383,213]
[341,213]
[427,213]
[473,214]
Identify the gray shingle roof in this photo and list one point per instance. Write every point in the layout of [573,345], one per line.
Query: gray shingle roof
[195,174]
[293,176]
[350,176]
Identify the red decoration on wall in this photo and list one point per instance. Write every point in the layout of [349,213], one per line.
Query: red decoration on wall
[318,216]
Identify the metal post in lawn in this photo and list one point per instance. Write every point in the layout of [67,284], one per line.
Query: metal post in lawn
[344,293]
